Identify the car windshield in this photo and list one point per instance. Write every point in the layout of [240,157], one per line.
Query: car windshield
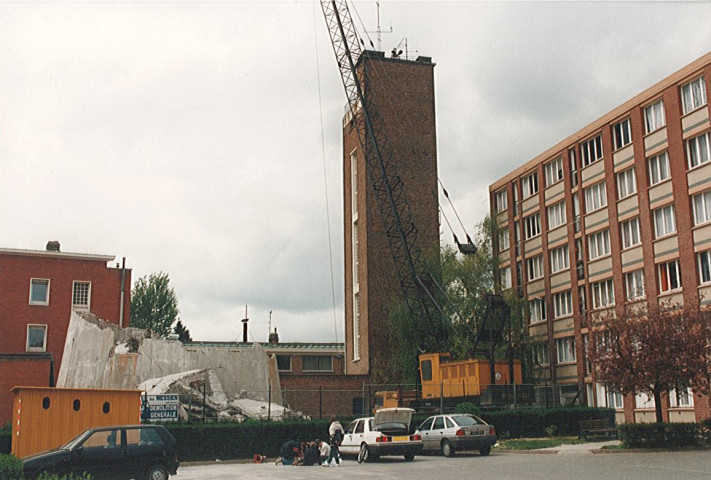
[464,420]
[75,441]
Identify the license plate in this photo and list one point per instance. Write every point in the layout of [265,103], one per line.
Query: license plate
[401,439]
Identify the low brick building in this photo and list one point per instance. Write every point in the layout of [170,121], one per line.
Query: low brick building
[38,291]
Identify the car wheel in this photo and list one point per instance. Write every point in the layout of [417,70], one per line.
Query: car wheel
[485,451]
[363,453]
[447,449]
[157,472]
[409,457]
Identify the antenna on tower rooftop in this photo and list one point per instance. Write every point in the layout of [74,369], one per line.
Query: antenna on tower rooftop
[378,30]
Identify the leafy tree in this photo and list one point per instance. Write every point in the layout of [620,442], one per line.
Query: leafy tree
[154,305]
[653,351]
[183,332]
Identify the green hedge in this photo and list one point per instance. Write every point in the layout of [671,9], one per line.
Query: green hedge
[5,441]
[539,422]
[663,435]
[10,467]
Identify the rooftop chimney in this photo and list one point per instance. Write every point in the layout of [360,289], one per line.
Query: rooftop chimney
[274,337]
[53,246]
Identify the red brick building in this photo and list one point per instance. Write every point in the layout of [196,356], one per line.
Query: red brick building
[38,291]
[617,213]
[402,93]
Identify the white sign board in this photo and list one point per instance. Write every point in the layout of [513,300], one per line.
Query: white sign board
[159,408]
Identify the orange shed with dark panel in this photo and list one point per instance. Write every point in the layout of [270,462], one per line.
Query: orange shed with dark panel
[44,418]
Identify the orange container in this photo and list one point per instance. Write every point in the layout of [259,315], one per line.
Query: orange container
[45,418]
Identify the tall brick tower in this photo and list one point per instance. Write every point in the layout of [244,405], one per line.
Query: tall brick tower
[402,93]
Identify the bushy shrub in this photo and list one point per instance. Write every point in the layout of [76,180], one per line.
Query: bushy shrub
[5,440]
[10,467]
[467,407]
[660,435]
[537,422]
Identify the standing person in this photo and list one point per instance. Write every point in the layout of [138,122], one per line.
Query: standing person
[325,450]
[335,435]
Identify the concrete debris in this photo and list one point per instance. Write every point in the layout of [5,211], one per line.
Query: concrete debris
[223,381]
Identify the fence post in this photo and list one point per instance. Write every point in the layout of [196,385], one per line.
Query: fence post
[514,392]
[441,397]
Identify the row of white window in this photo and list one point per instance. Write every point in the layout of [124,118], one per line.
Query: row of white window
[698,152]
[39,293]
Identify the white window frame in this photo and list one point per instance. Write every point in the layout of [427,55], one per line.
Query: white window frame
[643,400]
[701,204]
[669,276]
[356,326]
[43,347]
[560,259]
[39,281]
[506,278]
[629,231]
[556,215]
[320,359]
[603,294]
[529,185]
[698,150]
[681,399]
[599,244]
[703,259]
[282,357]
[626,183]
[664,221]
[532,226]
[562,304]
[693,95]
[83,307]
[354,185]
[654,116]
[504,240]
[501,200]
[537,308]
[610,398]
[553,171]
[591,150]
[541,353]
[595,197]
[622,133]
[534,267]
[659,168]
[634,285]
[565,348]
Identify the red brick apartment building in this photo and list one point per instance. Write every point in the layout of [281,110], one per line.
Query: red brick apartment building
[618,212]
[38,291]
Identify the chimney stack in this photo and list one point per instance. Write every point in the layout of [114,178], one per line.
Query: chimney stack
[274,337]
[53,246]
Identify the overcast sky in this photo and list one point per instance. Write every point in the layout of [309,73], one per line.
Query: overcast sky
[203,139]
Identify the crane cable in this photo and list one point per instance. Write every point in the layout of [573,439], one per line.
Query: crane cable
[446,194]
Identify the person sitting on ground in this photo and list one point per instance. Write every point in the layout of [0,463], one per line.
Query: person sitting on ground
[324,449]
[289,452]
[311,455]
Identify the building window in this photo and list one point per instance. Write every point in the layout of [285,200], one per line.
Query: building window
[573,167]
[693,95]
[39,291]
[669,276]
[566,349]
[81,296]
[560,259]
[705,266]
[532,225]
[602,294]
[626,183]
[356,259]
[681,398]
[530,185]
[595,197]
[356,327]
[697,150]
[354,184]
[622,133]
[654,116]
[634,284]
[534,267]
[664,221]
[562,304]
[702,207]
[36,338]
[541,354]
[553,171]
[317,363]
[506,278]
[501,201]
[538,310]
[284,363]
[515,198]
[591,150]
[504,240]
[598,244]
[556,215]
[629,230]
[658,168]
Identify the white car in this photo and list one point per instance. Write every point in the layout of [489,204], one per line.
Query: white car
[387,433]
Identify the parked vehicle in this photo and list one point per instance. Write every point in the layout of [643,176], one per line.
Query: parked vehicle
[387,433]
[119,452]
[456,432]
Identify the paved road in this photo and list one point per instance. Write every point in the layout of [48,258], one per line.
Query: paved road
[500,466]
